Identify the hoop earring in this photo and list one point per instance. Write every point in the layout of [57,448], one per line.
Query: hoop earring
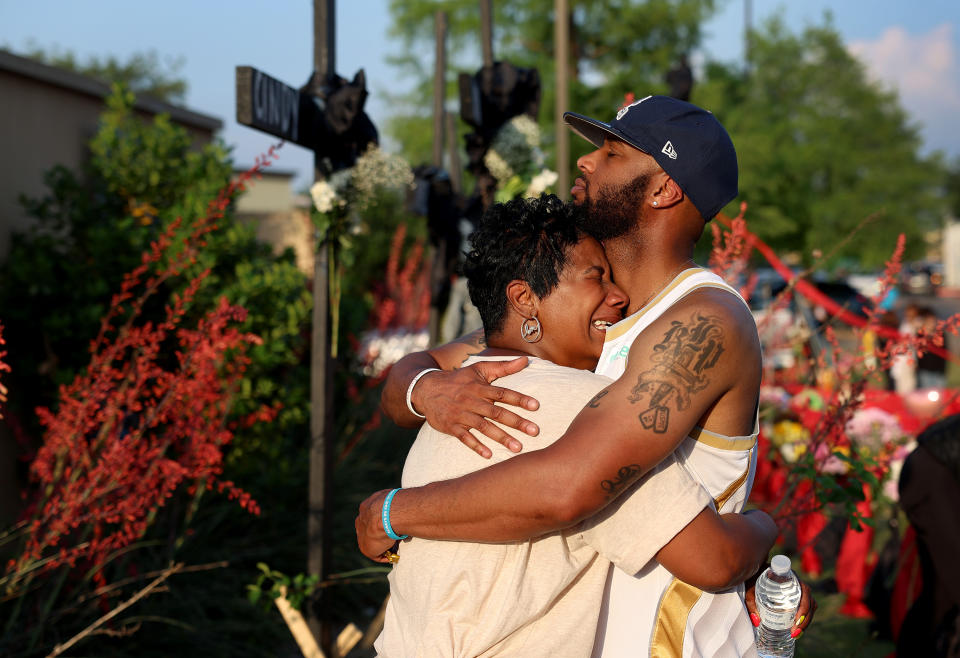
[527,330]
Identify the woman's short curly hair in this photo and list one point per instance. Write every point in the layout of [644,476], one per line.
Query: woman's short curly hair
[524,239]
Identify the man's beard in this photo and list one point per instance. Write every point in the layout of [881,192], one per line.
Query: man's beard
[611,212]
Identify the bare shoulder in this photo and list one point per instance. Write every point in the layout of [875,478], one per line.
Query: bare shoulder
[716,321]
[702,352]
[729,311]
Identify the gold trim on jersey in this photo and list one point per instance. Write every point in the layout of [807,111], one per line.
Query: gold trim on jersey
[675,606]
[626,324]
[724,496]
[722,442]
[679,598]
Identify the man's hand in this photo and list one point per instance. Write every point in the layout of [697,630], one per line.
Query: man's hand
[457,401]
[371,538]
[805,611]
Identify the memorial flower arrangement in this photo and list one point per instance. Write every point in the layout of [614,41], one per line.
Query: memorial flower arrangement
[832,440]
[340,202]
[517,162]
[826,431]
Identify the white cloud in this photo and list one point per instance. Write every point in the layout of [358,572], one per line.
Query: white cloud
[924,68]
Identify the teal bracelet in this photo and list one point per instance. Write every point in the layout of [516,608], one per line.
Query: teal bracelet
[385,517]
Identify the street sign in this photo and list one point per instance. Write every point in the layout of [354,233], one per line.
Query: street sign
[276,108]
[329,121]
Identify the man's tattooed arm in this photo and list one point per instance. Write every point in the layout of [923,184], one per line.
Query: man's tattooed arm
[595,400]
[476,341]
[625,477]
[681,364]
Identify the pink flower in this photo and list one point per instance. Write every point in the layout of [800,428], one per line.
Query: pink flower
[874,428]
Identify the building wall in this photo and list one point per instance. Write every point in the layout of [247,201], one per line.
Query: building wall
[951,255]
[47,116]
[281,218]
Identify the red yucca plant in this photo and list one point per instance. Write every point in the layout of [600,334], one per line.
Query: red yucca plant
[147,416]
[3,368]
[404,299]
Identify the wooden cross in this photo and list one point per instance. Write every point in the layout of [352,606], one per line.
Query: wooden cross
[296,115]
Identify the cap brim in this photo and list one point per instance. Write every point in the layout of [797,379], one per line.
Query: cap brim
[595,131]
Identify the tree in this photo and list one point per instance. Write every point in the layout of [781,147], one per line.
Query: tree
[143,73]
[616,48]
[821,147]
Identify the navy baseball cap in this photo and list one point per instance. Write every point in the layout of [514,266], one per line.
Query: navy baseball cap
[686,141]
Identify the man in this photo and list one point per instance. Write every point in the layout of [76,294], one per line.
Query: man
[662,169]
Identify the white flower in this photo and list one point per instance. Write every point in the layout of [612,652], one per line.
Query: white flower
[541,182]
[791,453]
[380,350]
[375,170]
[498,167]
[325,198]
[340,180]
[515,149]
[528,128]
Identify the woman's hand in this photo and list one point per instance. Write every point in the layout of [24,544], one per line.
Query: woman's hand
[371,537]
[805,611]
[461,400]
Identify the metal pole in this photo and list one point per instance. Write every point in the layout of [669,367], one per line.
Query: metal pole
[486,31]
[324,37]
[320,508]
[561,37]
[437,253]
[453,153]
[439,86]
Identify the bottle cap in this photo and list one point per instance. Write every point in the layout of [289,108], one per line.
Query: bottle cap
[780,564]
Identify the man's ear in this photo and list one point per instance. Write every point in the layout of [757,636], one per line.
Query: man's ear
[665,192]
[521,298]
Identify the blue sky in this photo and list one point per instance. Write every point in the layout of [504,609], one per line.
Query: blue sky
[912,46]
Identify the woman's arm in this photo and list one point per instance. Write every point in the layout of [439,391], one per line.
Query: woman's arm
[626,430]
[454,400]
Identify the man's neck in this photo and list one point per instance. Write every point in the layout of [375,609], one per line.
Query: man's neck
[643,272]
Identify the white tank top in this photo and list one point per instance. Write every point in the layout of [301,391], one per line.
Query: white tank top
[652,609]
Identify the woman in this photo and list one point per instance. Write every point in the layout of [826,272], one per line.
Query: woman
[543,290]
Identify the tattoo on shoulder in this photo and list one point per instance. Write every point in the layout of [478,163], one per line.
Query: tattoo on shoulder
[682,361]
[595,400]
[625,477]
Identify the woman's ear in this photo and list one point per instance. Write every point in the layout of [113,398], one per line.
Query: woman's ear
[521,298]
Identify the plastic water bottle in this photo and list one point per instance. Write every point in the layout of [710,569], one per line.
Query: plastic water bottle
[778,596]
